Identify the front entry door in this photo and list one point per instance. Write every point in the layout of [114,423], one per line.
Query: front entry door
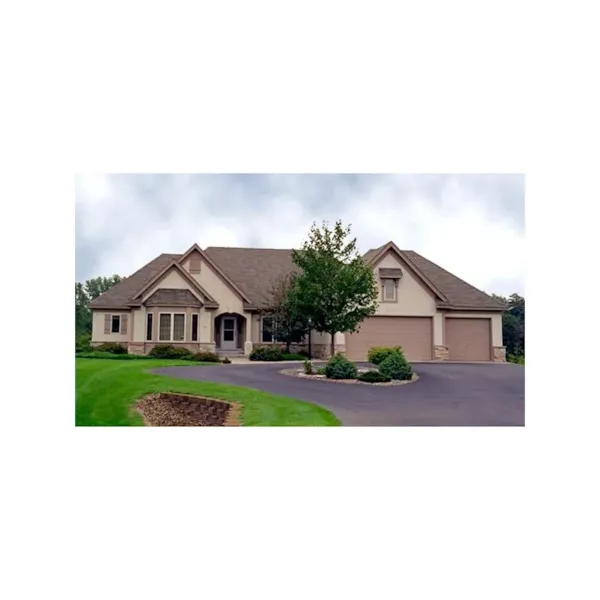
[229,334]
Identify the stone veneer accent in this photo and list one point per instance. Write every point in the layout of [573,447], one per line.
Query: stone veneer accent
[499,354]
[441,353]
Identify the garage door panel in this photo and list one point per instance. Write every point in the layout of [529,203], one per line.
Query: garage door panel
[414,334]
[468,339]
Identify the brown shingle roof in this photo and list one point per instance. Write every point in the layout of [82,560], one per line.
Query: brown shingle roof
[121,294]
[173,297]
[255,270]
[460,294]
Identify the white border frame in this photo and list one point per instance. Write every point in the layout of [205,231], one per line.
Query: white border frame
[172,327]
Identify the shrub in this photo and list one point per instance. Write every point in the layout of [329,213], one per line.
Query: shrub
[379,353]
[112,356]
[293,357]
[226,361]
[518,359]
[82,343]
[339,367]
[322,371]
[204,356]
[396,366]
[111,347]
[308,367]
[374,377]
[303,352]
[169,351]
[268,353]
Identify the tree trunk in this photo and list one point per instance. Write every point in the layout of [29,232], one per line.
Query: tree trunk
[333,344]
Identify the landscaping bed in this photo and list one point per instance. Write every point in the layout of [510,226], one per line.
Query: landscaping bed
[179,410]
[302,374]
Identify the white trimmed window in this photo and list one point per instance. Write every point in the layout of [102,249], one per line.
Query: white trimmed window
[389,290]
[171,327]
[195,319]
[115,326]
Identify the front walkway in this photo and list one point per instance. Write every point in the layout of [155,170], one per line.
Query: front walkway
[447,394]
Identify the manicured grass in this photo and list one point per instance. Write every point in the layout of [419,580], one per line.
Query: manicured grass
[107,389]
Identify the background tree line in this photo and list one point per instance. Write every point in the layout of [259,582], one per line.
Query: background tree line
[513,325]
[84,294]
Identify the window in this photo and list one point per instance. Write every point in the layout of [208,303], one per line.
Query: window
[149,327]
[178,328]
[269,329]
[116,324]
[171,327]
[194,328]
[389,290]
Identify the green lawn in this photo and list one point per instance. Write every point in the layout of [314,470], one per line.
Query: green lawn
[106,390]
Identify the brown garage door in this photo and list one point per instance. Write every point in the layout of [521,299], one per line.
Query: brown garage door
[468,339]
[414,334]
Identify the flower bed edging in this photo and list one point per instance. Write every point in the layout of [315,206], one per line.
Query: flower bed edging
[300,373]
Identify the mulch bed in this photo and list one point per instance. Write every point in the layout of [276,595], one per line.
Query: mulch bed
[300,373]
[181,410]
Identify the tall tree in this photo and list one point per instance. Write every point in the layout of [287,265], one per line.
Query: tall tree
[98,285]
[513,323]
[336,288]
[291,322]
[84,294]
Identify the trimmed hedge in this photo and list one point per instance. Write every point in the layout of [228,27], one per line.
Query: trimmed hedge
[339,367]
[374,377]
[322,371]
[204,356]
[378,354]
[293,357]
[112,347]
[267,353]
[396,366]
[169,351]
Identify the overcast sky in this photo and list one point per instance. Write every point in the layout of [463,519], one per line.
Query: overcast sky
[472,225]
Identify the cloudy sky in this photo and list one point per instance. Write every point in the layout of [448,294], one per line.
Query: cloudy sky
[472,225]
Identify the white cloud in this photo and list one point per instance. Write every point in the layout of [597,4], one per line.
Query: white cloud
[470,225]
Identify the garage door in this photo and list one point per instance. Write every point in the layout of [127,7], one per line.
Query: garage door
[468,339]
[414,334]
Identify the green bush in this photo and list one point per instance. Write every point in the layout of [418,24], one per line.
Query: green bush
[308,367]
[374,377]
[396,366]
[518,359]
[110,355]
[267,353]
[204,356]
[82,343]
[379,353]
[169,351]
[322,371]
[339,367]
[293,357]
[112,347]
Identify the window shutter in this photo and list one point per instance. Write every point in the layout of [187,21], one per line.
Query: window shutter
[123,323]
[107,323]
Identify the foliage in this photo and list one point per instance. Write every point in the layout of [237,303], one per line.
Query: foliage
[308,367]
[513,324]
[204,356]
[291,322]
[169,351]
[518,359]
[112,356]
[266,353]
[373,377]
[293,357]
[322,371]
[339,367]
[84,294]
[107,389]
[395,366]
[226,361]
[112,347]
[378,354]
[336,288]
[82,343]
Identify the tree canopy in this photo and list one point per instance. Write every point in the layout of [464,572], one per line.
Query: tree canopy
[84,294]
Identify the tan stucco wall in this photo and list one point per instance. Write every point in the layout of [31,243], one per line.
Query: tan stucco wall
[98,334]
[211,281]
[412,297]
[139,324]
[206,326]
[172,280]
[438,329]
[496,323]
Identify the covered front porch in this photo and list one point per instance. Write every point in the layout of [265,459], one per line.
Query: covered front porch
[233,333]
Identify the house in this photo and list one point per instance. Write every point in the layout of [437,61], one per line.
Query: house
[212,299]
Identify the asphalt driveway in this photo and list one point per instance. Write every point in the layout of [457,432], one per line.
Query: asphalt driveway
[447,394]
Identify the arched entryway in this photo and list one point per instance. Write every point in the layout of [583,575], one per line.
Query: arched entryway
[230,332]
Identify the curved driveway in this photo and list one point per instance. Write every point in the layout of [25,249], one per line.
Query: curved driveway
[447,394]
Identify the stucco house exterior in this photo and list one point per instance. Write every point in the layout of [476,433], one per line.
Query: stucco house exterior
[213,299]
